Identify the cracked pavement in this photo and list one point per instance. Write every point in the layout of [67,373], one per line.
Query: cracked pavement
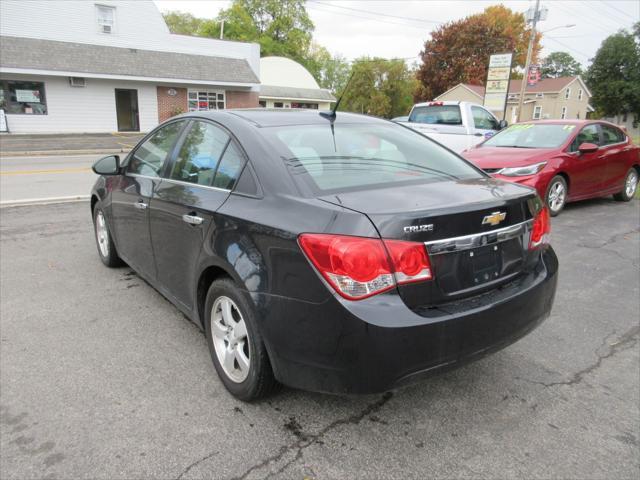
[101,378]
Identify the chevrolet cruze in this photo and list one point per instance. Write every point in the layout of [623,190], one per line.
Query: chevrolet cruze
[334,253]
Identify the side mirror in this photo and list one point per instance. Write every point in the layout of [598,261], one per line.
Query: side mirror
[587,147]
[502,124]
[107,166]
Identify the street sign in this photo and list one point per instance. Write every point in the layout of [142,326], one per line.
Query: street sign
[534,75]
[497,86]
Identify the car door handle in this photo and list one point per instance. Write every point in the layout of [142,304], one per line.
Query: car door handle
[141,205]
[192,219]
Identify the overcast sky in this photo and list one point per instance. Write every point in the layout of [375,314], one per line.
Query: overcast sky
[398,28]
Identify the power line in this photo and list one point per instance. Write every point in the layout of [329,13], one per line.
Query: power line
[377,13]
[585,19]
[588,57]
[609,4]
[322,9]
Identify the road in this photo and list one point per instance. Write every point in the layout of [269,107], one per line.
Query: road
[44,177]
[102,378]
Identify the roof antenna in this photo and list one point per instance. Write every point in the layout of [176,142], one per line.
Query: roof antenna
[331,116]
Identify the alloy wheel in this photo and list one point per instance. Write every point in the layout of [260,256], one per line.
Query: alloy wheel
[631,183]
[230,339]
[557,196]
[102,234]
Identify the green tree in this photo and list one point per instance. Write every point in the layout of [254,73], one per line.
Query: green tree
[281,27]
[560,64]
[614,74]
[182,23]
[380,87]
[331,72]
[459,51]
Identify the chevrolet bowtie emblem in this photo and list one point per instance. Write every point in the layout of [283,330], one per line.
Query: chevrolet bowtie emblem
[494,219]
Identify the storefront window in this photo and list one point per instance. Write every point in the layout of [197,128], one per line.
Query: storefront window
[22,97]
[313,106]
[203,100]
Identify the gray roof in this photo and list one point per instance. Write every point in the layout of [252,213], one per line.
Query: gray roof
[295,93]
[31,53]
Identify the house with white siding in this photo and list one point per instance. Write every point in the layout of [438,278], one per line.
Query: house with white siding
[106,66]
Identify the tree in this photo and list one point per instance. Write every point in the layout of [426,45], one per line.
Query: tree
[331,72]
[614,74]
[459,51]
[560,64]
[380,87]
[182,23]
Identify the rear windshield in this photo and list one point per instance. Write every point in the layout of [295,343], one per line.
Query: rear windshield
[358,156]
[531,135]
[437,115]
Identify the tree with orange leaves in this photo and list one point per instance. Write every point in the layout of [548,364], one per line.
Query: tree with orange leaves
[458,52]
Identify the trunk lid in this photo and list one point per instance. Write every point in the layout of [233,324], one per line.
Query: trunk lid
[491,216]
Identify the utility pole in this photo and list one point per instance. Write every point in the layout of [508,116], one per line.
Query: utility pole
[534,21]
[222,30]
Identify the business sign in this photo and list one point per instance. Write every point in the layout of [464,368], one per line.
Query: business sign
[534,75]
[497,87]
[29,96]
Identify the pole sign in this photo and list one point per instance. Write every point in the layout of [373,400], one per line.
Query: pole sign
[497,87]
[534,75]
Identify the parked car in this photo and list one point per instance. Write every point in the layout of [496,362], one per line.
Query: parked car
[564,160]
[456,125]
[344,254]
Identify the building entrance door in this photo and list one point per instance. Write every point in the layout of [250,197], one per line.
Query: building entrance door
[127,110]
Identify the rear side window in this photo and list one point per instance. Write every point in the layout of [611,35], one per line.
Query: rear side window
[588,134]
[612,135]
[483,119]
[359,156]
[229,168]
[199,154]
[437,115]
[149,158]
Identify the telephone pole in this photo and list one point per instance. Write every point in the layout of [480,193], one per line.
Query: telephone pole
[534,20]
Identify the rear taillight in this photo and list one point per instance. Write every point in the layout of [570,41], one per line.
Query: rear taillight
[358,267]
[541,229]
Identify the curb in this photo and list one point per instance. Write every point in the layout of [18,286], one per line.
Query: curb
[44,153]
[43,201]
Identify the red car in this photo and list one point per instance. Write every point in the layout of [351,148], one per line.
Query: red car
[564,160]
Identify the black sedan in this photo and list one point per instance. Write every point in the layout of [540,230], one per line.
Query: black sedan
[329,253]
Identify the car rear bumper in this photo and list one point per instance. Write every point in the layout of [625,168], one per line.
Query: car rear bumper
[378,344]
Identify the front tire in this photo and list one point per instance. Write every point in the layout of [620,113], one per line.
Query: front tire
[236,346]
[630,186]
[106,248]
[556,197]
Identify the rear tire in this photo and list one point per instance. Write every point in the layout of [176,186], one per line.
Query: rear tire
[556,197]
[630,186]
[236,346]
[106,248]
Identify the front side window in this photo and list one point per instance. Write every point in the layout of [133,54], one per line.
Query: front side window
[537,112]
[531,135]
[199,154]
[588,134]
[437,115]
[19,97]
[150,157]
[361,156]
[106,18]
[483,119]
[612,135]
[205,100]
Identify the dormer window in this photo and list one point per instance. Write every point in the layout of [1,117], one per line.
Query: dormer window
[106,18]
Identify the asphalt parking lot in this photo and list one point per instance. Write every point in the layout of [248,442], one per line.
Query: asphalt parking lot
[102,378]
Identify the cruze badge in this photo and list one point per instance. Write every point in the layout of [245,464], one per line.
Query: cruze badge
[418,228]
[494,219]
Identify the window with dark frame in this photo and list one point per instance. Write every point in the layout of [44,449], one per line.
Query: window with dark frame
[22,97]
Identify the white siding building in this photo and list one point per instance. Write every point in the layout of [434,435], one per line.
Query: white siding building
[105,66]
